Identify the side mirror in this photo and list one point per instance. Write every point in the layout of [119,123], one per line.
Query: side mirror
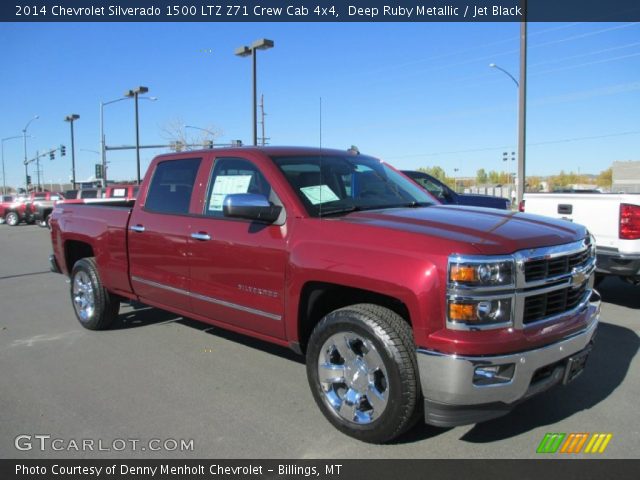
[250,206]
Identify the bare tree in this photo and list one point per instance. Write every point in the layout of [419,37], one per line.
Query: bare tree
[183,138]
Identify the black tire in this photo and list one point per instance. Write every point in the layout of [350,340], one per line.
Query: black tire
[392,340]
[94,306]
[12,219]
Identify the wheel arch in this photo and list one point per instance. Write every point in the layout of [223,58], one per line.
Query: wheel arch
[317,299]
[75,250]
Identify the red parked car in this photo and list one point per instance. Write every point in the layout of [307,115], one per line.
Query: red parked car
[42,204]
[403,307]
[15,210]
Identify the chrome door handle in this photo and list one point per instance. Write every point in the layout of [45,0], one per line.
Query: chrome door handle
[137,228]
[202,236]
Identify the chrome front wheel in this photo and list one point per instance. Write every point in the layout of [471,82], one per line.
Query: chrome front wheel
[363,372]
[353,377]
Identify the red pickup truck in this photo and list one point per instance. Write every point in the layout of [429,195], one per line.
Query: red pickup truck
[14,210]
[403,307]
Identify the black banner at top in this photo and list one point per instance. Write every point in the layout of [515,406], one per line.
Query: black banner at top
[319,11]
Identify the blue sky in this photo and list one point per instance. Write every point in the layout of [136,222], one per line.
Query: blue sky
[414,94]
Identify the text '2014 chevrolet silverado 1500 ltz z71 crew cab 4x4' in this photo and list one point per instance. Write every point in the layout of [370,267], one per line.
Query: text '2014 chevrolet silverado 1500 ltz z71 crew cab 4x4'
[403,307]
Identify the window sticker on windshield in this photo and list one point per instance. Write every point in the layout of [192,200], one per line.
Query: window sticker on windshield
[225,185]
[319,194]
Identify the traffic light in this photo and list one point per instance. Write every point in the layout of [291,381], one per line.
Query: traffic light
[63,150]
[99,170]
[208,144]
[28,179]
[52,154]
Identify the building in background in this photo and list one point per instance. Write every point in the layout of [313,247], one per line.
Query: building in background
[626,177]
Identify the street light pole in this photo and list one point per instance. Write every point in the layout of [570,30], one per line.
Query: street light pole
[103,156]
[4,182]
[521,91]
[262,44]
[134,93]
[72,118]
[103,145]
[26,164]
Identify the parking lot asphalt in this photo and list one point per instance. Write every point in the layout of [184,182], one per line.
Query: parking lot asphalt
[159,376]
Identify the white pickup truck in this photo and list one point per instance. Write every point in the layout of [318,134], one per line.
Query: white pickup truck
[614,220]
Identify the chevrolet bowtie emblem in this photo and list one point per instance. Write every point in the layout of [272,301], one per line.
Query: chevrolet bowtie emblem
[577,277]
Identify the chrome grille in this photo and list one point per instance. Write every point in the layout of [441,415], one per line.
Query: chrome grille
[544,305]
[543,268]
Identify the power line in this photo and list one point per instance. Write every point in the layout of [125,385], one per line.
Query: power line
[533,144]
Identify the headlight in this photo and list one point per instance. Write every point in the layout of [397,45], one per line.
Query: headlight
[479,312]
[481,273]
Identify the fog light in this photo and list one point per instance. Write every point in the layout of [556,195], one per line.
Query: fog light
[493,374]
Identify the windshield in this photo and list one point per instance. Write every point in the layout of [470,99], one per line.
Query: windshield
[332,184]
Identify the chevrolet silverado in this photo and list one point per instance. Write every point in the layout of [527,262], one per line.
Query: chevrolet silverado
[404,308]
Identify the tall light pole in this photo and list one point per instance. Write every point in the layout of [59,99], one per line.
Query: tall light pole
[103,146]
[134,93]
[72,118]
[4,183]
[522,108]
[103,151]
[262,44]
[26,164]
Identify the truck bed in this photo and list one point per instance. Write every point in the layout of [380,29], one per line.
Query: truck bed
[103,219]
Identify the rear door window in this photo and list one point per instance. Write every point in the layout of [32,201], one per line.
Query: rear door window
[172,185]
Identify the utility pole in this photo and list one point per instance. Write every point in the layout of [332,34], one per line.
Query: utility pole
[522,105]
[263,140]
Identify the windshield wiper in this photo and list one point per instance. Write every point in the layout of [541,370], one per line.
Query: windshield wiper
[360,208]
[338,211]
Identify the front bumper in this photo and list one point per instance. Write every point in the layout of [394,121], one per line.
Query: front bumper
[452,398]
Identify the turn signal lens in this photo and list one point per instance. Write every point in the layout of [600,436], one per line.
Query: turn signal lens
[462,312]
[480,312]
[481,273]
[462,273]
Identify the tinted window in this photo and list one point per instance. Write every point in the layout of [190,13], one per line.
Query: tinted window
[88,194]
[172,185]
[432,187]
[335,184]
[233,175]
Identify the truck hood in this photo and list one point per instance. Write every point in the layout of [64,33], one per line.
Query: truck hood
[490,231]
